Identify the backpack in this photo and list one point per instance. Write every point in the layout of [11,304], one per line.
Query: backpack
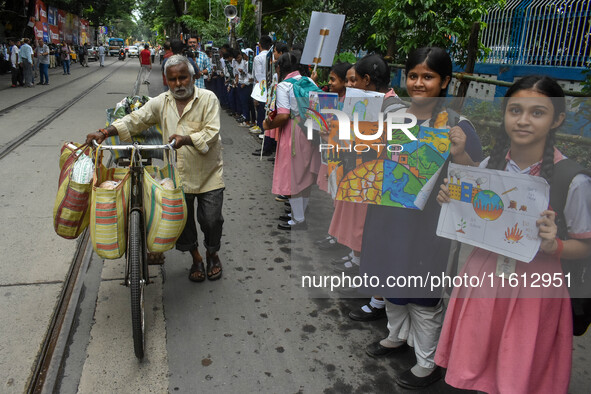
[301,89]
[580,277]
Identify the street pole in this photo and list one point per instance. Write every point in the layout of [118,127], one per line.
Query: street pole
[258,16]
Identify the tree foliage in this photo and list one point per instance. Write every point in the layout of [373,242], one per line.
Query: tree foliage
[247,28]
[403,25]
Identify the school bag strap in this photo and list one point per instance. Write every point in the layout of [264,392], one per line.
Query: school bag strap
[564,173]
[301,89]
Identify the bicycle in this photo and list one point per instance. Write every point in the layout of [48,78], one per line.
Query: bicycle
[136,268]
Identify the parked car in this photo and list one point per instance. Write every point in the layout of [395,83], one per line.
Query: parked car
[133,51]
[93,53]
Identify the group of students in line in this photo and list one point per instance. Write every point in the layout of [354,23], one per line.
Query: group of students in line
[488,340]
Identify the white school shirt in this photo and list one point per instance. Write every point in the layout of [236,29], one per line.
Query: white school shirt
[259,67]
[244,78]
[577,209]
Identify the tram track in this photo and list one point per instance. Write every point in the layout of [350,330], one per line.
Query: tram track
[23,137]
[49,360]
[48,363]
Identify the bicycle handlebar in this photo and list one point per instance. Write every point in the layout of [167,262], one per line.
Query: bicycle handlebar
[134,146]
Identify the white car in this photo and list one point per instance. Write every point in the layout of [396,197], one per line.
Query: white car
[133,51]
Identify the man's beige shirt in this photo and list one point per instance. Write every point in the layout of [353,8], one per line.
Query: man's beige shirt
[200,166]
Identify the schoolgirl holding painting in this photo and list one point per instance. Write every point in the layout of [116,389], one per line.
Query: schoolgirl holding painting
[518,338]
[401,242]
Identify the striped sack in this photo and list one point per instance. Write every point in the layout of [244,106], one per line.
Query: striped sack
[70,210]
[108,212]
[166,210]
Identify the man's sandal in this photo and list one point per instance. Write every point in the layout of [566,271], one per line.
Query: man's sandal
[212,263]
[197,272]
[155,258]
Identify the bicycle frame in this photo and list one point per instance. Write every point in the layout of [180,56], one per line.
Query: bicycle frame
[136,267]
[136,194]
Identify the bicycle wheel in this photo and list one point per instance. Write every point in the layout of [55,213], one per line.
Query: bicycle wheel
[135,256]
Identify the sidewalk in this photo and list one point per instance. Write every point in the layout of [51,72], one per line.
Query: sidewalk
[56,75]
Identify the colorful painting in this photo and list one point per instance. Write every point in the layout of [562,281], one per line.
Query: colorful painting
[398,172]
[494,210]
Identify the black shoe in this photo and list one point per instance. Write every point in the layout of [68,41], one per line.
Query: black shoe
[328,243]
[289,227]
[255,153]
[361,315]
[376,350]
[409,381]
[285,218]
[342,268]
[281,198]
[288,210]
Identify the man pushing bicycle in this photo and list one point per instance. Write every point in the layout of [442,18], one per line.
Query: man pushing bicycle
[191,117]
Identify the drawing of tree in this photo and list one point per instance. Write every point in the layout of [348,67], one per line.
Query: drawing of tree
[462,226]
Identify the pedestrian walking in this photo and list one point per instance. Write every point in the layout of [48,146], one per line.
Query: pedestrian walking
[101,53]
[146,63]
[65,56]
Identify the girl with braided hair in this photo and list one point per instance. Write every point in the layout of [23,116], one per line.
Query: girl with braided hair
[518,338]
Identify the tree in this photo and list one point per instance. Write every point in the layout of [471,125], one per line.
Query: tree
[247,28]
[403,25]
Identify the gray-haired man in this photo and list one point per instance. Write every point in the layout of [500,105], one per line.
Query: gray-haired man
[191,117]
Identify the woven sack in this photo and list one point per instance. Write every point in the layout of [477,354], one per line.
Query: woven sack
[70,210]
[108,212]
[166,210]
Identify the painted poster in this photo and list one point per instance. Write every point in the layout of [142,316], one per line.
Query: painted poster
[365,104]
[397,172]
[319,101]
[494,210]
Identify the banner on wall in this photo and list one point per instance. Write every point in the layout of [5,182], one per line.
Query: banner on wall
[45,32]
[38,29]
[61,24]
[41,11]
[52,16]
[54,34]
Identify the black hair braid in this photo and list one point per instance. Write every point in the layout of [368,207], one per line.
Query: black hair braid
[436,110]
[547,169]
[499,150]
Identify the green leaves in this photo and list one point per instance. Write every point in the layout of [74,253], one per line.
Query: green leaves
[415,23]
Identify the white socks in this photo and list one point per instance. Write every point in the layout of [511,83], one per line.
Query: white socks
[391,344]
[375,303]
